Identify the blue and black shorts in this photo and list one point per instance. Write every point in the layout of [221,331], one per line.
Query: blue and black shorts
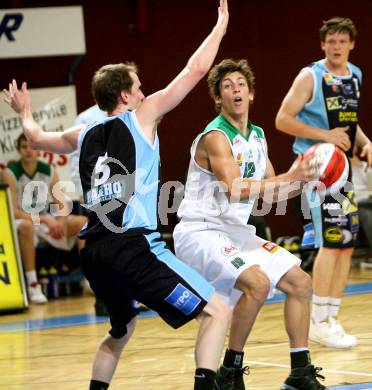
[125,267]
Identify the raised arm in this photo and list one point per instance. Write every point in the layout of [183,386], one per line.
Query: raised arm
[299,94]
[158,104]
[57,142]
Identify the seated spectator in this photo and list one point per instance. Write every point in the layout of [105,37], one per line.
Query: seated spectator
[59,231]
[363,196]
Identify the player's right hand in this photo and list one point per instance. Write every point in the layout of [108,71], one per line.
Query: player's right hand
[304,169]
[339,137]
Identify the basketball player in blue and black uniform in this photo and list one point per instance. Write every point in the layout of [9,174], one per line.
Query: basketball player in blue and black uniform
[323,106]
[124,257]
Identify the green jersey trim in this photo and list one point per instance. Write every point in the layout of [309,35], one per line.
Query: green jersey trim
[17,169]
[44,168]
[221,123]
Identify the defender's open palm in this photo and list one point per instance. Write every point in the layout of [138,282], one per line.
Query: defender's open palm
[18,99]
[223,15]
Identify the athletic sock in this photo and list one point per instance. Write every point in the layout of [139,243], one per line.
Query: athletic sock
[300,357]
[204,379]
[233,358]
[97,385]
[333,306]
[319,311]
[31,278]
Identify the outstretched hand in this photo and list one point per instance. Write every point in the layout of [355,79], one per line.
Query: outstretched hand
[223,15]
[304,168]
[18,99]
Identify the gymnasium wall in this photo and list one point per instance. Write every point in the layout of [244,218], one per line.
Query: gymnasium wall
[277,38]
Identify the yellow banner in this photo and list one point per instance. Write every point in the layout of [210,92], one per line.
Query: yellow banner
[11,284]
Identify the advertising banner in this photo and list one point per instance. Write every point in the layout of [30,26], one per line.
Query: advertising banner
[41,32]
[12,287]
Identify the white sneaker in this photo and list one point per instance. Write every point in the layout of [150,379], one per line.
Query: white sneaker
[318,331]
[331,334]
[337,329]
[36,295]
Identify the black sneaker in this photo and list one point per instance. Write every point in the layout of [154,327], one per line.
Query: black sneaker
[230,378]
[304,378]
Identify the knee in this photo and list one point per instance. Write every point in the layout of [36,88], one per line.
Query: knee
[302,285]
[81,220]
[26,229]
[75,223]
[116,345]
[218,310]
[113,346]
[258,286]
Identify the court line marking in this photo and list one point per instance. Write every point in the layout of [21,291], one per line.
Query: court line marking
[85,319]
[143,360]
[355,386]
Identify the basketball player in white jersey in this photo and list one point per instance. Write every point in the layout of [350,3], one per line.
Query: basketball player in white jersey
[229,169]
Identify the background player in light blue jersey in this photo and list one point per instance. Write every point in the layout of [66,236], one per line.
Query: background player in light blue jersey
[322,105]
[135,264]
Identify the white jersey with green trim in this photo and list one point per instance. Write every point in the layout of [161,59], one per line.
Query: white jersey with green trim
[33,191]
[205,197]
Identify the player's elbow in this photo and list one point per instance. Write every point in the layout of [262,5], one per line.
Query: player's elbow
[198,69]
[279,119]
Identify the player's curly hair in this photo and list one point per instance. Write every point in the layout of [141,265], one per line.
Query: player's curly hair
[218,72]
[108,82]
[338,24]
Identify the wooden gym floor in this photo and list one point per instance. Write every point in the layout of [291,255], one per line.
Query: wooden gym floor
[52,347]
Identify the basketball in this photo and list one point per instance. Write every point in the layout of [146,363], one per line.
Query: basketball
[334,166]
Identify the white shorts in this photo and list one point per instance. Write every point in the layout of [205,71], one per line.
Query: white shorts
[42,234]
[221,253]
